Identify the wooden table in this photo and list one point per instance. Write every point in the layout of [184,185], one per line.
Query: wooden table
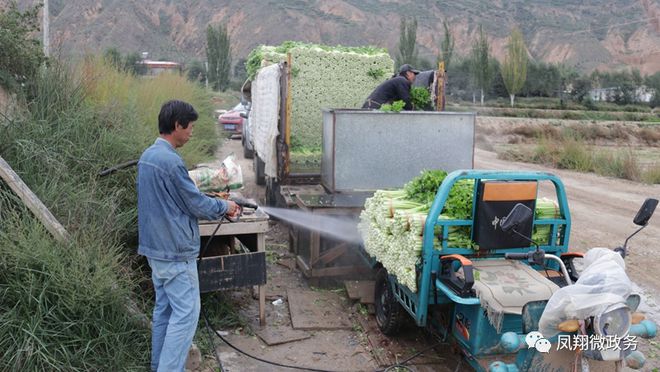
[226,264]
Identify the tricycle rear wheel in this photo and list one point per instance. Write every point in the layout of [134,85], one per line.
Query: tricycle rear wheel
[389,313]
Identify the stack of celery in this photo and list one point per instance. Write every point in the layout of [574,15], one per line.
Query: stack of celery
[545,209]
[322,76]
[392,222]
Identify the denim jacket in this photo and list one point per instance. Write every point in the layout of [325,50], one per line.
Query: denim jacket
[169,205]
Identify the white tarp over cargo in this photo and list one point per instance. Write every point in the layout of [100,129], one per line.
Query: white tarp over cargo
[264,116]
[602,283]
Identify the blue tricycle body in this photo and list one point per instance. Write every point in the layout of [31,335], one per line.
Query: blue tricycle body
[447,303]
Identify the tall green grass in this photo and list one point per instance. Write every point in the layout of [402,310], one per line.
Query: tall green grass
[63,306]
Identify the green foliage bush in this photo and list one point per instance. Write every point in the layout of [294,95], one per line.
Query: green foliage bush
[20,53]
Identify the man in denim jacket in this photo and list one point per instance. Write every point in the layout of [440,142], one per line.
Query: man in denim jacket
[169,205]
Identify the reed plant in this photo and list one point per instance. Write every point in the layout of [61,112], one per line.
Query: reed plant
[63,305]
[652,174]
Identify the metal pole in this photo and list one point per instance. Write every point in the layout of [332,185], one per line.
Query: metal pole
[206,76]
[46,29]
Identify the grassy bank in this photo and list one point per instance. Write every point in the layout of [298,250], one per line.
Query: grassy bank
[552,108]
[643,117]
[570,148]
[63,306]
[548,103]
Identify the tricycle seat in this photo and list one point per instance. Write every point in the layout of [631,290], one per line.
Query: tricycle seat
[505,286]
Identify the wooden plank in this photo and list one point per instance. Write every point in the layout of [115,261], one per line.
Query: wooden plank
[313,310]
[340,270]
[303,266]
[289,192]
[233,228]
[352,289]
[281,335]
[232,271]
[314,247]
[33,202]
[261,248]
[289,263]
[332,254]
[362,290]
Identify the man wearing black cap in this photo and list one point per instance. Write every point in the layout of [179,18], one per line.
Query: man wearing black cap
[394,89]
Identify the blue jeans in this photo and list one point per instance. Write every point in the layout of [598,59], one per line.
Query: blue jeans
[176,313]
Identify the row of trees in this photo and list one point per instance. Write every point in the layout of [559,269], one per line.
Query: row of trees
[129,62]
[216,71]
[479,73]
[482,66]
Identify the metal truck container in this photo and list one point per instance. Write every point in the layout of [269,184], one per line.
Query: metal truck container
[369,150]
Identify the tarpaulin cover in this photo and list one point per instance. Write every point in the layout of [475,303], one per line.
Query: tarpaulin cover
[264,116]
[602,283]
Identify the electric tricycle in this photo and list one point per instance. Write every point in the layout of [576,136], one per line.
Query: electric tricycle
[513,303]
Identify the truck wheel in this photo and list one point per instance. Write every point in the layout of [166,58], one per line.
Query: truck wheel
[259,168]
[389,313]
[248,154]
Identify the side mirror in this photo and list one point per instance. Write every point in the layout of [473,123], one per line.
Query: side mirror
[243,115]
[645,212]
[519,214]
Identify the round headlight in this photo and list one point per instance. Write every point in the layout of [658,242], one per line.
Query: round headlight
[614,321]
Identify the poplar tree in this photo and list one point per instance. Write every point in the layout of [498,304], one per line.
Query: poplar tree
[407,42]
[480,66]
[514,68]
[218,55]
[447,46]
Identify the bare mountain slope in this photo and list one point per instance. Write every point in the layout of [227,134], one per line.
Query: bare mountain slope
[588,34]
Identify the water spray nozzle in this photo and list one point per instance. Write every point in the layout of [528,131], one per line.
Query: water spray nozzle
[244,203]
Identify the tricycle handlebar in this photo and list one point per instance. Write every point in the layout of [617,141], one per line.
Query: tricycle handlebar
[516,256]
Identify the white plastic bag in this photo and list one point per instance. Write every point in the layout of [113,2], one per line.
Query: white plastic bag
[602,283]
[218,179]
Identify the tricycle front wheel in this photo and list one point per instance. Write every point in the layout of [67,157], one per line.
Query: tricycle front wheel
[389,313]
